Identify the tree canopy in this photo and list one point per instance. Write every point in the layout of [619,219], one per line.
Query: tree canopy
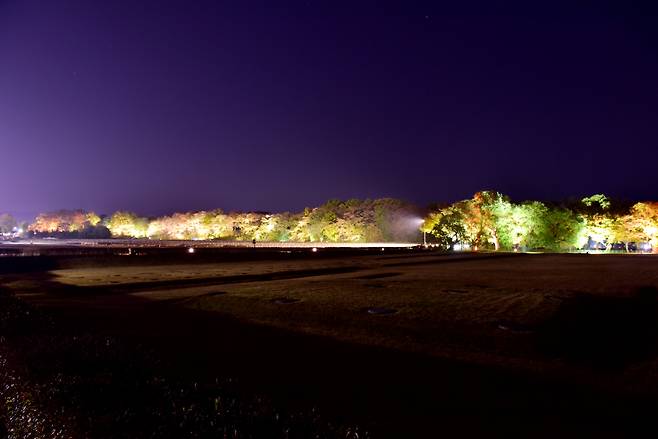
[490,220]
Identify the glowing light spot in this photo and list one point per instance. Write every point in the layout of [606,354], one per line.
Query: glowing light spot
[190,250]
[314,249]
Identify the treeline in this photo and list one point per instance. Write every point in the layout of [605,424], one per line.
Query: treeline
[69,224]
[490,220]
[487,221]
[354,220]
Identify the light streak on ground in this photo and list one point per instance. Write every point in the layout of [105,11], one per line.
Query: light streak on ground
[136,243]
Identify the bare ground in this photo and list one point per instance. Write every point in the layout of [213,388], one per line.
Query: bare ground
[392,344]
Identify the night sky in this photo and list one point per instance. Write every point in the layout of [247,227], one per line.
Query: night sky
[182,105]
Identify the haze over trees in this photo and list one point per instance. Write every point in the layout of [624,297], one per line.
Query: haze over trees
[7,223]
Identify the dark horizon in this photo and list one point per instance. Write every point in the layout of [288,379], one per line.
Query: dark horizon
[163,106]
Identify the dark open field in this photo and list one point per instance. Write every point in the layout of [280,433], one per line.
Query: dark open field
[338,343]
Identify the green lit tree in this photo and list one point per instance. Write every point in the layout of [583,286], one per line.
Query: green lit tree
[562,228]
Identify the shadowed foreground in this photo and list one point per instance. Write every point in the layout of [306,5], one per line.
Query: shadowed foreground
[287,345]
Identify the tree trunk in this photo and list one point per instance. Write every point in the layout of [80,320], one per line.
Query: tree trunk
[495,241]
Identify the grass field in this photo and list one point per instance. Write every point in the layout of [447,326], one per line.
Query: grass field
[396,343]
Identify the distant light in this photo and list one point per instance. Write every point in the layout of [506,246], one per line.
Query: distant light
[382,248]
[190,250]
[314,249]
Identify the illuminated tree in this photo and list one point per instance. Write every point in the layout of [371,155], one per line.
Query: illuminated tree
[599,229]
[562,227]
[269,228]
[218,224]
[321,220]
[320,223]
[490,218]
[278,227]
[447,225]
[480,218]
[92,219]
[354,220]
[127,224]
[600,225]
[190,225]
[245,225]
[641,224]
[520,225]
[597,202]
[300,232]
[64,221]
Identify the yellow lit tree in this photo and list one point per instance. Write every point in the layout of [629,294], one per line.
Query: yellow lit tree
[127,224]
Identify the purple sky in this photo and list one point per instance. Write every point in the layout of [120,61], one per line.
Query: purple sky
[179,105]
